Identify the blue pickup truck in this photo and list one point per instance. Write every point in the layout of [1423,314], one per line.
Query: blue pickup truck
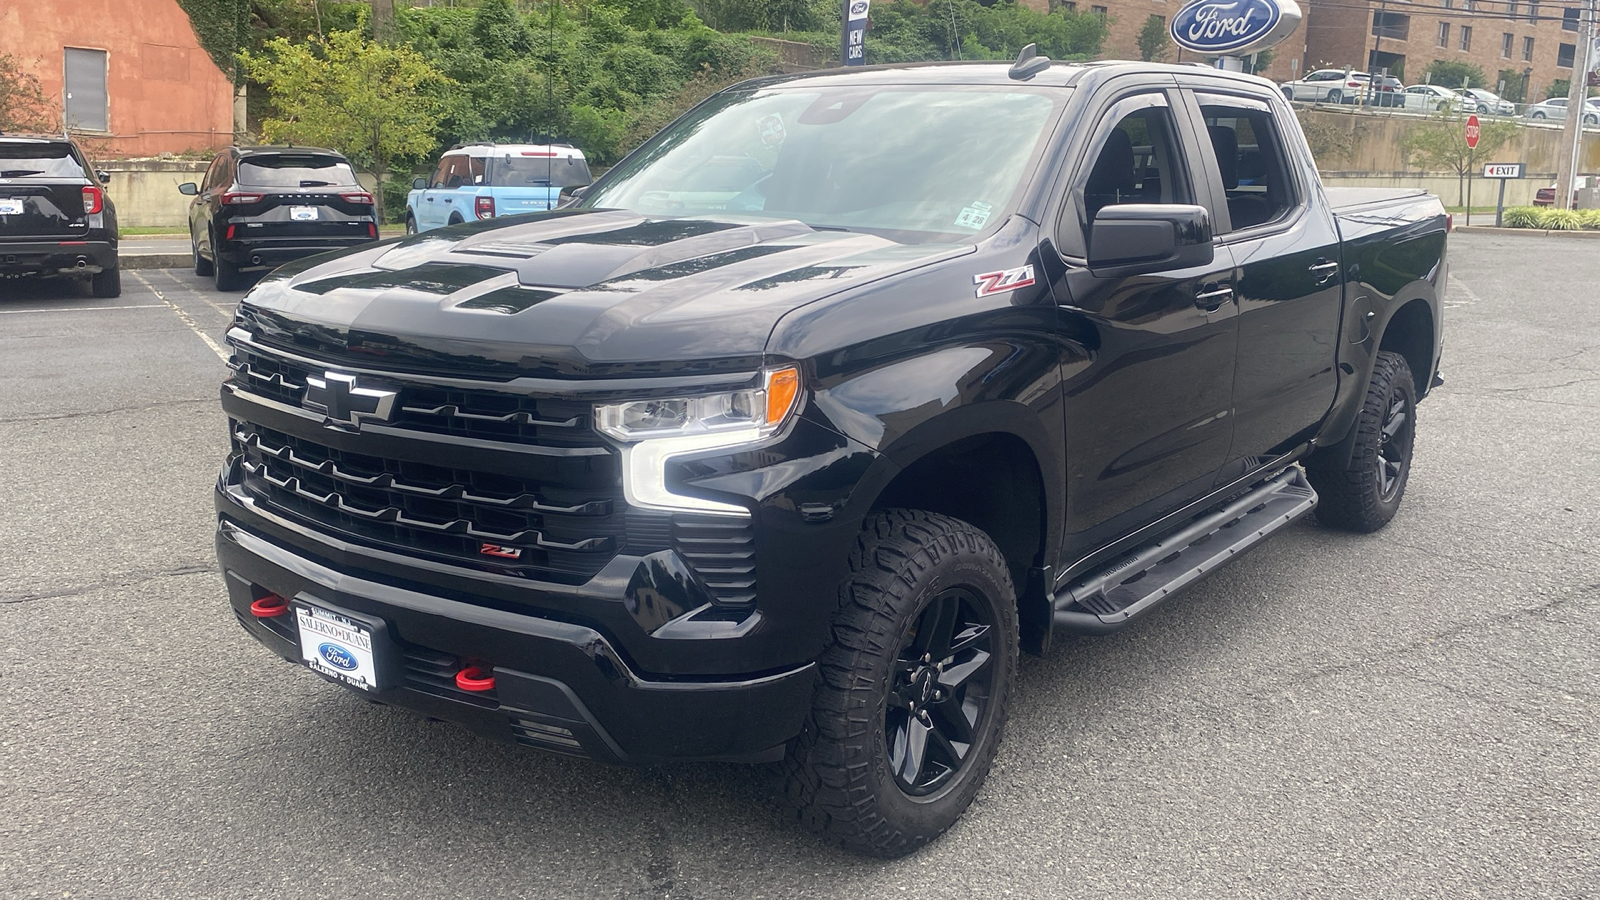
[484,180]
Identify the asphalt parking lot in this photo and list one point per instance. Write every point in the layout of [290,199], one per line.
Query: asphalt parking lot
[1413,713]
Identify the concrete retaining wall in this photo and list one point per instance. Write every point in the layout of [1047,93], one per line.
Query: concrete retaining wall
[146,190]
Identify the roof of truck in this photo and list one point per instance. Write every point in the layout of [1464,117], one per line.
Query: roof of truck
[1057,74]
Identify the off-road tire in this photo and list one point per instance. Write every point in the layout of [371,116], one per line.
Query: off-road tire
[107,283]
[1356,495]
[202,266]
[838,777]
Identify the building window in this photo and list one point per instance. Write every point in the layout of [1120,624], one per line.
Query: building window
[1564,54]
[1511,9]
[1505,45]
[1068,5]
[1569,19]
[1466,37]
[1527,49]
[1391,25]
[87,105]
[1099,11]
[1533,10]
[1448,4]
[1444,34]
[1466,5]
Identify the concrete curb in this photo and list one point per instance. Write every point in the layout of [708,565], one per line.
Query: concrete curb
[154,260]
[1529,232]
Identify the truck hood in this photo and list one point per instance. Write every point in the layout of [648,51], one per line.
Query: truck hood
[570,294]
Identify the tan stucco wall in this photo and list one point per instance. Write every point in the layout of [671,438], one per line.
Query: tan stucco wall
[166,95]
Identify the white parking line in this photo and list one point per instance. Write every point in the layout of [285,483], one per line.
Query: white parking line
[18,312]
[184,315]
[203,298]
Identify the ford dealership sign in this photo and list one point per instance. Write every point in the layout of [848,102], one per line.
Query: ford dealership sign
[1234,27]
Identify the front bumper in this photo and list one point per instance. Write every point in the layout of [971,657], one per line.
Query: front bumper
[559,686]
[57,257]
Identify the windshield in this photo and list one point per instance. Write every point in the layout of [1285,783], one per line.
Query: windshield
[916,165]
[533,170]
[294,171]
[38,160]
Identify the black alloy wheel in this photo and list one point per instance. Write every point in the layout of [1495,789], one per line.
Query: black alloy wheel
[942,684]
[911,694]
[1361,491]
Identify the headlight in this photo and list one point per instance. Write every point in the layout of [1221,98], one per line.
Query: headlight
[654,431]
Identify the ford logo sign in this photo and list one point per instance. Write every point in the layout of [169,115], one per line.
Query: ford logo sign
[337,656]
[1228,27]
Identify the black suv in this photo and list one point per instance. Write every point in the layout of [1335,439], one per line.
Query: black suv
[259,207]
[55,218]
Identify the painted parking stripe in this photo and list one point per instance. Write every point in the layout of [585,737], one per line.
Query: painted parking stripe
[185,317]
[18,312]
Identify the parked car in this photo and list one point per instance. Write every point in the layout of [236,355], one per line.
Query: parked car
[1556,108]
[1486,102]
[1333,86]
[260,207]
[484,180]
[998,356]
[55,217]
[1432,98]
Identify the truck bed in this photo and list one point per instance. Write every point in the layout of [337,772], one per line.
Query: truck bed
[1356,199]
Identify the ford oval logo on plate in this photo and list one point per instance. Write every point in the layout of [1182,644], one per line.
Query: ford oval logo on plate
[337,656]
[1222,27]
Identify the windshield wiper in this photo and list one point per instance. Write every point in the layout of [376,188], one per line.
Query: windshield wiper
[310,183]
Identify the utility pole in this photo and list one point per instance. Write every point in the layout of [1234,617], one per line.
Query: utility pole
[1577,91]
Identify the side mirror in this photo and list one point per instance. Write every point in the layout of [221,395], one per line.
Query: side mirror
[104,176]
[1149,237]
[419,183]
[578,192]
[189,189]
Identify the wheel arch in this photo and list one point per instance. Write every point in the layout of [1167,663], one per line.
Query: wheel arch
[1410,332]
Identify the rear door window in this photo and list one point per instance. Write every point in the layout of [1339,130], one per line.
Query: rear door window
[39,161]
[1256,176]
[284,170]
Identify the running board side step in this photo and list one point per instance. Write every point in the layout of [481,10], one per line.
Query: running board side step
[1104,601]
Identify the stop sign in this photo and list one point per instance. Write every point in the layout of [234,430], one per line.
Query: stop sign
[1472,132]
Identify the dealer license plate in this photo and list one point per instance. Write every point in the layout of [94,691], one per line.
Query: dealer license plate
[302,213]
[337,647]
[10,207]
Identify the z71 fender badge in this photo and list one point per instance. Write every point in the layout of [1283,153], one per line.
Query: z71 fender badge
[1000,282]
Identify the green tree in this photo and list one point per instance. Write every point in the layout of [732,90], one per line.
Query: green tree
[1514,85]
[1440,145]
[1153,39]
[23,105]
[1450,73]
[1561,87]
[375,103]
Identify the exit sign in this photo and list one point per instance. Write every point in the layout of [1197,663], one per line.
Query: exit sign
[1502,170]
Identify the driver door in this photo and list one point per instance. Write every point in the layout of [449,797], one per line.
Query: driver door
[1148,414]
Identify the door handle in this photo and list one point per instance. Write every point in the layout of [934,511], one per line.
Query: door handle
[1212,300]
[429,199]
[1324,270]
[448,200]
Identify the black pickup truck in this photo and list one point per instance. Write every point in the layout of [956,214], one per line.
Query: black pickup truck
[784,440]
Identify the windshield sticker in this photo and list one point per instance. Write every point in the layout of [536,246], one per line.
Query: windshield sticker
[974,216]
[772,130]
[990,283]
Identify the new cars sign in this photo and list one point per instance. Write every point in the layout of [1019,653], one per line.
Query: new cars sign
[855,32]
[1233,27]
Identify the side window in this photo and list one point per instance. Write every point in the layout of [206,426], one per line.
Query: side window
[211,175]
[458,174]
[476,164]
[439,173]
[1256,177]
[1137,162]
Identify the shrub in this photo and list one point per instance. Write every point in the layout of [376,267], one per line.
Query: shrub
[1561,219]
[1591,218]
[1521,217]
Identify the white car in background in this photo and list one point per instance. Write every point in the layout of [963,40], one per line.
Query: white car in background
[1326,86]
[1483,101]
[1432,98]
[1556,109]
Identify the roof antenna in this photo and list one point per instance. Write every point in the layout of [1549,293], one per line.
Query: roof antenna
[1029,63]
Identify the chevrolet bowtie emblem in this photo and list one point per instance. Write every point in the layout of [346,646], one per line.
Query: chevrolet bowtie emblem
[336,396]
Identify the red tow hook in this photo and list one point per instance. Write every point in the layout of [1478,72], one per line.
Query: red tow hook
[475,678]
[269,607]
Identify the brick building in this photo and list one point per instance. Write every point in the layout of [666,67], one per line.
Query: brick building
[1533,42]
[130,75]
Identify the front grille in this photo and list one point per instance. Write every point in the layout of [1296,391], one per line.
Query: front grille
[556,517]
[480,414]
[561,531]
